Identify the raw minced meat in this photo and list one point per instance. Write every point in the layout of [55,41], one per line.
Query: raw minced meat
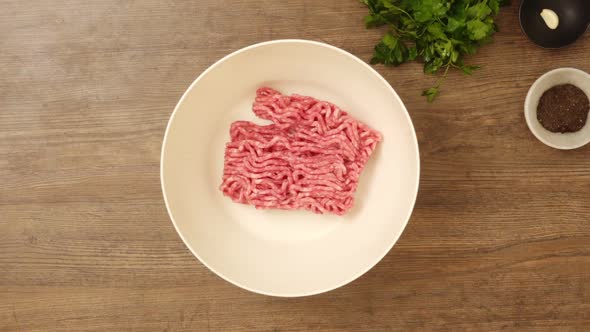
[310,157]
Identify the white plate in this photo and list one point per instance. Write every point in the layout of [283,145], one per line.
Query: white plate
[566,141]
[287,253]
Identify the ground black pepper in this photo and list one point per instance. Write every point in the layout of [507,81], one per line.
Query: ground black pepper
[563,109]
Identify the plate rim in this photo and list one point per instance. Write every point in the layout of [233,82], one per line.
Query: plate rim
[287,41]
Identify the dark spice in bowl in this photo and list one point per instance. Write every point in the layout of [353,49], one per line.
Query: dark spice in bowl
[563,109]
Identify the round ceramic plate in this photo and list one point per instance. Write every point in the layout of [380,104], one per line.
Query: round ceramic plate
[276,252]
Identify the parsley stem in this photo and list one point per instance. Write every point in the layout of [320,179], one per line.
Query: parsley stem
[400,32]
[403,11]
[442,78]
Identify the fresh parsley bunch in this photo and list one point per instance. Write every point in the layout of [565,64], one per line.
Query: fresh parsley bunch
[438,32]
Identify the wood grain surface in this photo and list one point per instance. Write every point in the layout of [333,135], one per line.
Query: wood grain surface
[499,240]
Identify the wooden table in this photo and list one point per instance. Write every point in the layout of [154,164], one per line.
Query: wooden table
[499,239]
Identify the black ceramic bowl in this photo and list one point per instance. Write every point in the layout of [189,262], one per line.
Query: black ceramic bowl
[574,18]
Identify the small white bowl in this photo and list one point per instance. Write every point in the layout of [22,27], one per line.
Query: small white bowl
[565,141]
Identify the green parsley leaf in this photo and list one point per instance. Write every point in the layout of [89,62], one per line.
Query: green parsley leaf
[438,33]
[431,93]
[454,24]
[375,20]
[412,53]
[478,30]
[480,11]
[390,51]
[468,70]
[426,10]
